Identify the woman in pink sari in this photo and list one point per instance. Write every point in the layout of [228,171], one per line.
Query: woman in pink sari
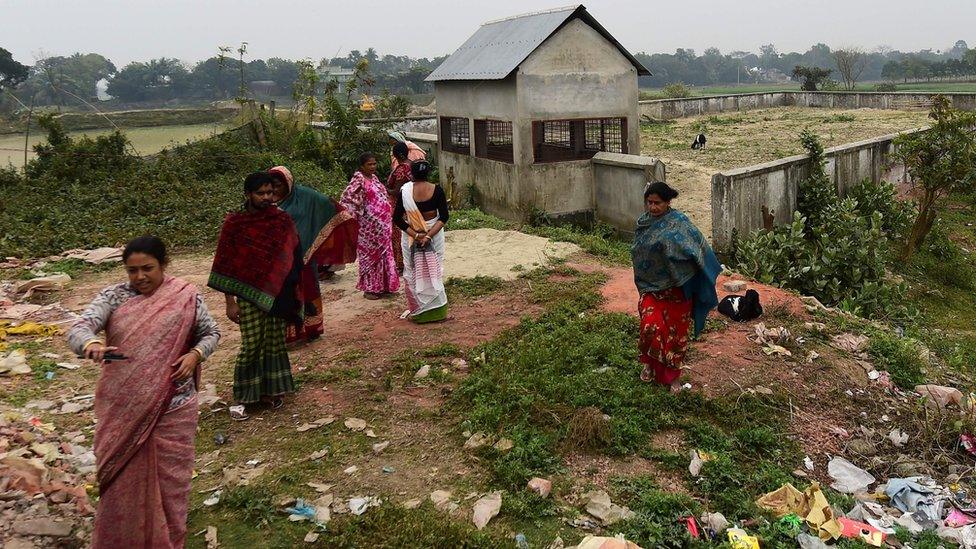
[157,332]
[368,200]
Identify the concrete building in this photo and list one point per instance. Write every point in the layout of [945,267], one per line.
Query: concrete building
[526,103]
[328,73]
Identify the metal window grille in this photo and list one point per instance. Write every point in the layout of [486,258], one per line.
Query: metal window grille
[558,133]
[455,136]
[603,134]
[493,140]
[562,140]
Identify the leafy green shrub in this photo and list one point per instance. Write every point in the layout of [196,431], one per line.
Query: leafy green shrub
[816,192]
[676,90]
[836,250]
[886,87]
[882,197]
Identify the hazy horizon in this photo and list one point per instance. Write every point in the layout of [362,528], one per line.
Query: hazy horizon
[296,29]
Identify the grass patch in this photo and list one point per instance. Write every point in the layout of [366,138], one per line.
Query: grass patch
[899,356]
[471,288]
[658,515]
[568,380]
[462,219]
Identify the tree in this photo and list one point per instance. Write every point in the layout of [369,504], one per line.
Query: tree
[812,77]
[11,72]
[893,70]
[939,161]
[768,55]
[850,64]
[60,79]
[159,79]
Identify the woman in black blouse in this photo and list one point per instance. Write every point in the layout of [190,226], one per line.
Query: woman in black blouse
[421,213]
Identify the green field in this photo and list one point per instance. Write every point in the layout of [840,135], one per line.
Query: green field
[699,91]
[145,140]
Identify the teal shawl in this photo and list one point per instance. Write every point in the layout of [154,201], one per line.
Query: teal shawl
[311,211]
[670,252]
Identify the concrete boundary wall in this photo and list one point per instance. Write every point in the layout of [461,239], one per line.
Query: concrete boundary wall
[741,197]
[618,187]
[668,109]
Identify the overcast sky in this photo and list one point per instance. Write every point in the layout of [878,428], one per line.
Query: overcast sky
[127,30]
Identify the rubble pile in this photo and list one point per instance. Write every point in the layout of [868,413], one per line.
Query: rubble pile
[45,476]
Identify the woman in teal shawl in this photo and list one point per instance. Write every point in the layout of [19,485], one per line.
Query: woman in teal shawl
[675,271]
[328,236]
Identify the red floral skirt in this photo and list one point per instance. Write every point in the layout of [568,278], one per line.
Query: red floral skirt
[665,320]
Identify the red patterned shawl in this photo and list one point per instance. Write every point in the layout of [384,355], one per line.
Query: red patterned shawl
[255,256]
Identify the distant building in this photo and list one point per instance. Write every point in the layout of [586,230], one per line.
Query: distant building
[526,102]
[265,88]
[342,76]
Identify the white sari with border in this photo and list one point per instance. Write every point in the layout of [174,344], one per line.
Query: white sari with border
[423,268]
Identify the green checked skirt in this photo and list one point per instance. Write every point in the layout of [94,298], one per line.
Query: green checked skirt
[262,368]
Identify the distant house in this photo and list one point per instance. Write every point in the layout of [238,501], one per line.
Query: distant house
[265,88]
[342,76]
[526,102]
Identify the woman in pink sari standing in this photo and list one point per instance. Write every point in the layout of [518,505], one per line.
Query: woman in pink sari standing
[368,200]
[158,331]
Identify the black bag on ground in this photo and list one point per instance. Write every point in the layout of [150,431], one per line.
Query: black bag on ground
[741,308]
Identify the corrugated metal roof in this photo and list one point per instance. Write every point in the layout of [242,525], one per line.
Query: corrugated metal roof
[499,47]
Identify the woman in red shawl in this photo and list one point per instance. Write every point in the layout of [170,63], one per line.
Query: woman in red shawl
[157,332]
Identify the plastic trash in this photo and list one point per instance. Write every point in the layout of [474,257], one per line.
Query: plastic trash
[739,539]
[520,541]
[220,439]
[859,530]
[214,498]
[911,497]
[301,511]
[715,523]
[848,478]
[806,541]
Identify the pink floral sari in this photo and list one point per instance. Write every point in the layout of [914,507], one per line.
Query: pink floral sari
[367,199]
[145,452]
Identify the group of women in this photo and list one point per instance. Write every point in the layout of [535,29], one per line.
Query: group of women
[401,230]
[158,330]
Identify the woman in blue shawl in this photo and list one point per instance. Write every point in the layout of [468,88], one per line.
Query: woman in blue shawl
[675,271]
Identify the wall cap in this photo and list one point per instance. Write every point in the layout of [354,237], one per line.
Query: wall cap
[625,160]
[757,169]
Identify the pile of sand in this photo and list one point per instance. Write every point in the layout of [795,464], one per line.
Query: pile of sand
[502,254]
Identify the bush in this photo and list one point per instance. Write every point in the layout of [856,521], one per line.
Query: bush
[901,357]
[836,250]
[886,87]
[881,197]
[676,90]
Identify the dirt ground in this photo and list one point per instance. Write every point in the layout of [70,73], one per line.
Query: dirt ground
[364,367]
[740,139]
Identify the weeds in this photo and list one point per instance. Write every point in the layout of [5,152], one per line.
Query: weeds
[899,356]
[471,288]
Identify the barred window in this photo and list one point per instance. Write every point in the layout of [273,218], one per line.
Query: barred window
[561,140]
[493,140]
[454,135]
